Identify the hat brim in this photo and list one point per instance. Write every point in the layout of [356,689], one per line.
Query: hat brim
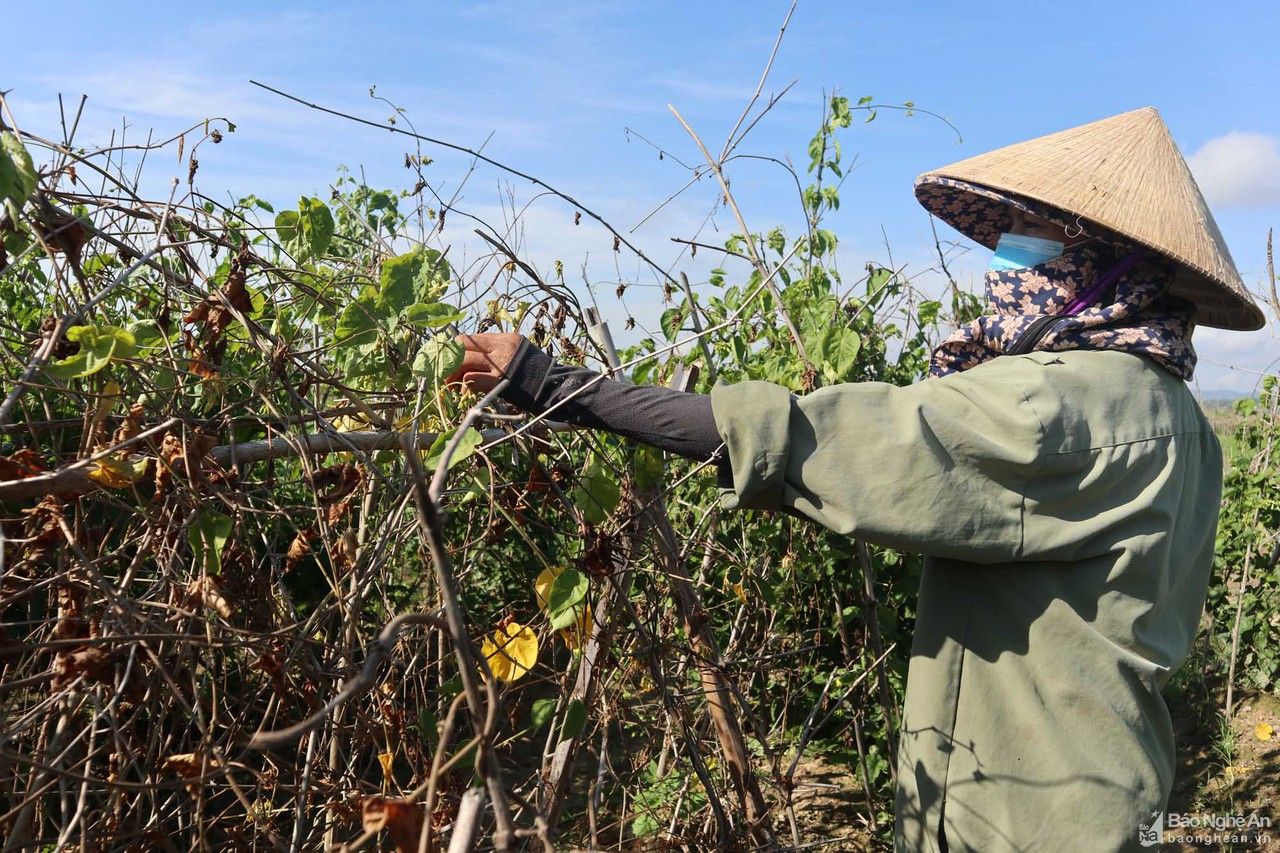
[982,214]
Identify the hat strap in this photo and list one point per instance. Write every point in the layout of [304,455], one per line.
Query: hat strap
[1042,326]
[1104,281]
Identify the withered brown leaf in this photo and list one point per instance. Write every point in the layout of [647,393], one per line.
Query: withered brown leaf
[131,426]
[179,457]
[208,591]
[44,535]
[344,553]
[336,487]
[299,548]
[21,464]
[189,764]
[214,314]
[400,818]
[94,663]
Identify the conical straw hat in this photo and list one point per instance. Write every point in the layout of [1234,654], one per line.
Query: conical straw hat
[1121,179]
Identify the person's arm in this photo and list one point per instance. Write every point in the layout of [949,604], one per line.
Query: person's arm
[670,420]
[940,468]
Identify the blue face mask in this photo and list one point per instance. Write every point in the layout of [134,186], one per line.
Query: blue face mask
[1016,251]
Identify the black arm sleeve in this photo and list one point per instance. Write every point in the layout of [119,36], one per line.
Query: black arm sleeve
[670,420]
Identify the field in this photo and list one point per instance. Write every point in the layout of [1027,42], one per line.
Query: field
[269,583]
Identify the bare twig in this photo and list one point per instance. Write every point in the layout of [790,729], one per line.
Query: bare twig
[381,648]
[483,716]
[761,267]
[74,316]
[481,157]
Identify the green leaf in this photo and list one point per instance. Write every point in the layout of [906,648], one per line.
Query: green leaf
[644,824]
[431,315]
[928,312]
[17,172]
[817,147]
[69,367]
[648,467]
[395,283]
[418,276]
[828,239]
[437,358]
[315,224]
[98,346]
[671,321]
[840,348]
[208,535]
[360,321]
[450,688]
[307,231]
[465,448]
[596,495]
[432,279]
[251,201]
[878,278]
[840,111]
[567,592]
[575,717]
[147,334]
[777,240]
[428,725]
[287,227]
[541,713]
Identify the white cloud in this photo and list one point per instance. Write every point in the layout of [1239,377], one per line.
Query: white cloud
[1239,168]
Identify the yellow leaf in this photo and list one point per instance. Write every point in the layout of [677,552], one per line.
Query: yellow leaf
[351,423]
[106,401]
[740,591]
[511,651]
[1263,731]
[573,637]
[425,422]
[118,473]
[542,586]
[386,759]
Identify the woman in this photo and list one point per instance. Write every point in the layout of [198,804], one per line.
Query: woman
[1054,469]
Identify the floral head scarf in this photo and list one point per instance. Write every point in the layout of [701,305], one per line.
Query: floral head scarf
[1135,315]
[1109,297]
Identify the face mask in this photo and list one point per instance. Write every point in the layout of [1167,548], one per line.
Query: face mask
[1015,251]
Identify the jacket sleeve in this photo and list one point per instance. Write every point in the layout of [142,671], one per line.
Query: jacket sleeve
[664,418]
[939,468]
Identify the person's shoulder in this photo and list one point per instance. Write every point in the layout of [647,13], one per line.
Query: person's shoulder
[1098,398]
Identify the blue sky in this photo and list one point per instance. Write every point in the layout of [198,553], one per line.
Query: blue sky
[558,86]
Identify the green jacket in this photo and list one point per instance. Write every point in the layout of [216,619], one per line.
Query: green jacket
[1067,504]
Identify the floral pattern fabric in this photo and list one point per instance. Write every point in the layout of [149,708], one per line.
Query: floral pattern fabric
[1135,314]
[983,214]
